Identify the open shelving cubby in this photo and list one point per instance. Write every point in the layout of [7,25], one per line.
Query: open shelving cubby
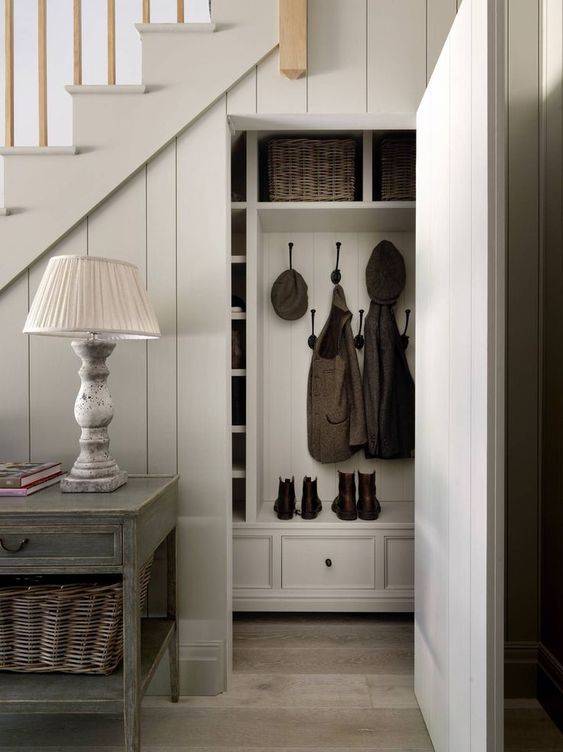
[313,227]
[238,324]
[277,359]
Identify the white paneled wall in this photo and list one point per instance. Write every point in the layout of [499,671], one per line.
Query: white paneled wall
[364,56]
[162,419]
[14,371]
[337,54]
[169,219]
[286,355]
[397,55]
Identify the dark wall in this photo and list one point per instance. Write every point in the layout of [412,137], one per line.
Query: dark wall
[550,651]
[523,352]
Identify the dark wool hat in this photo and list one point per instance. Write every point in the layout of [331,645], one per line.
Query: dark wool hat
[289,295]
[385,273]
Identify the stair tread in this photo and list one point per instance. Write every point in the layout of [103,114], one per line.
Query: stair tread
[106,89]
[15,151]
[175,28]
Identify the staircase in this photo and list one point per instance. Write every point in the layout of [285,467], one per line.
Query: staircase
[117,129]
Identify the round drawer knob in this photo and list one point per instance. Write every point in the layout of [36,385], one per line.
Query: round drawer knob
[13,549]
[328,562]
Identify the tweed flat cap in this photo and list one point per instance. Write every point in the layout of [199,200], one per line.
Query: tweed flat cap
[289,295]
[385,273]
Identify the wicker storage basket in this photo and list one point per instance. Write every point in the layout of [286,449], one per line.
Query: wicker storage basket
[311,169]
[398,168]
[73,628]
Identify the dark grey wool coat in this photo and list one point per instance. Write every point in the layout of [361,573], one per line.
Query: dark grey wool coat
[336,424]
[388,387]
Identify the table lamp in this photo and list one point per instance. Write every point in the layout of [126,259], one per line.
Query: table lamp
[96,301]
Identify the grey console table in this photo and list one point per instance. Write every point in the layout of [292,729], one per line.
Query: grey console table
[56,533]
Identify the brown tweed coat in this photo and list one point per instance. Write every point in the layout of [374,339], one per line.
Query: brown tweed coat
[336,424]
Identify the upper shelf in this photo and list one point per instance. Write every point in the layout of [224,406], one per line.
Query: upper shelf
[312,122]
[332,216]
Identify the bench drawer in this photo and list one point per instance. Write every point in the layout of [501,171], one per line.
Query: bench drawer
[331,562]
[60,545]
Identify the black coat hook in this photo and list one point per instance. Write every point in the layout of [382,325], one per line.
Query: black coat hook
[336,276]
[312,337]
[404,338]
[290,255]
[359,338]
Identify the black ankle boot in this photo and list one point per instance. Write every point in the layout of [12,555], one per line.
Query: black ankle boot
[285,503]
[344,506]
[368,504]
[310,502]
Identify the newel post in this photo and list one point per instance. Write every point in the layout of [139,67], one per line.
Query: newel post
[293,38]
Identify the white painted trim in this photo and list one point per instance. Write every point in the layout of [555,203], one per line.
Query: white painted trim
[106,89]
[362,121]
[337,216]
[175,28]
[497,73]
[48,151]
[202,670]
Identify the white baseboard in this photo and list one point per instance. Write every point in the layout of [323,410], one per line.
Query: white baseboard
[202,670]
[307,603]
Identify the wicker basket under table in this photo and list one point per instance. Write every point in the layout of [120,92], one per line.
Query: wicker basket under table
[72,628]
[311,169]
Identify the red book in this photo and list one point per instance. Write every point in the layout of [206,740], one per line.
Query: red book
[31,488]
[23,474]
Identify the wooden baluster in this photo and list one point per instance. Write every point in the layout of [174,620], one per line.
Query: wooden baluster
[180,11]
[9,71]
[111,42]
[77,42]
[42,69]
[146,11]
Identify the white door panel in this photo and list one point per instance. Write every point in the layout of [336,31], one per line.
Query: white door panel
[459,423]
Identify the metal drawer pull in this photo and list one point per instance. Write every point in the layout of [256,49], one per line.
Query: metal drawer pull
[18,547]
[328,562]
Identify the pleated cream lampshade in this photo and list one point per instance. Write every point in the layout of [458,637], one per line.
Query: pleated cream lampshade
[82,295]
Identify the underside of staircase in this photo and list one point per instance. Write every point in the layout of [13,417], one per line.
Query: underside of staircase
[117,129]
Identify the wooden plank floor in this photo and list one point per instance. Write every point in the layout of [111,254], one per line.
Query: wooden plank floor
[301,684]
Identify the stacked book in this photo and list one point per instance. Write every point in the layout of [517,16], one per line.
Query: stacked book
[25,478]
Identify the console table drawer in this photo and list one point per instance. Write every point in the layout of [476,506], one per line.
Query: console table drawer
[60,545]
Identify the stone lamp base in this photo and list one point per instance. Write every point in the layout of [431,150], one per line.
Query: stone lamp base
[95,470]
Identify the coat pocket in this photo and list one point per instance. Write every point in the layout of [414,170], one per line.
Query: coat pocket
[337,409]
[335,440]
[334,422]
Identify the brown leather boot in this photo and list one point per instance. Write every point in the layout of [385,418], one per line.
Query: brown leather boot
[310,502]
[368,504]
[344,506]
[285,503]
